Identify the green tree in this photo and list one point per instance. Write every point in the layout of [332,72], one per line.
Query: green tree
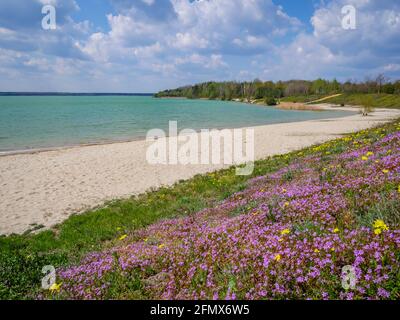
[367,104]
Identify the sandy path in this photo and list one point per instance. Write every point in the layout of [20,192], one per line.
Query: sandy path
[326,98]
[45,188]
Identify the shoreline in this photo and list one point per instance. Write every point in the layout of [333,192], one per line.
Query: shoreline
[45,188]
[37,150]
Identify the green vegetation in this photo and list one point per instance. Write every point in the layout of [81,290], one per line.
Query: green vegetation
[23,256]
[302,99]
[270,101]
[286,235]
[300,91]
[375,100]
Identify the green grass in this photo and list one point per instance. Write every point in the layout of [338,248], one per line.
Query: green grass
[23,256]
[388,210]
[303,99]
[378,100]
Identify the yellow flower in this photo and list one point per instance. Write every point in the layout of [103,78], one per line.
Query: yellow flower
[316,251]
[145,239]
[385,171]
[277,257]
[119,229]
[280,240]
[369,153]
[287,203]
[398,189]
[55,287]
[122,237]
[286,231]
[376,161]
[336,230]
[284,190]
[332,249]
[364,158]
[380,224]
[161,246]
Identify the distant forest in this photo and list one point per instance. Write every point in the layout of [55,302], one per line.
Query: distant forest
[270,91]
[72,94]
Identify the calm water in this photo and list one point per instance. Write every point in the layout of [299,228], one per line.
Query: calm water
[28,122]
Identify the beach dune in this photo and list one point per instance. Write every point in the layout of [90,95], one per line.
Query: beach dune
[44,188]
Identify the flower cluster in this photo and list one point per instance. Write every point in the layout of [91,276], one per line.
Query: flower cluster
[286,236]
[380,226]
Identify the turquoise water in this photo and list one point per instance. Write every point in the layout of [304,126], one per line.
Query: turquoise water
[31,122]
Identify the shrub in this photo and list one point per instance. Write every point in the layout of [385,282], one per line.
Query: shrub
[270,101]
[367,103]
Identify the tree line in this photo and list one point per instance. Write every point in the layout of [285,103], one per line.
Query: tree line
[270,91]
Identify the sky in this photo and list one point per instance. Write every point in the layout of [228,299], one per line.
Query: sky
[151,45]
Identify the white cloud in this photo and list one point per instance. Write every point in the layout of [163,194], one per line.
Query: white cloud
[148,51]
[196,40]
[210,26]
[392,67]
[188,41]
[156,43]
[377,26]
[332,51]
[213,62]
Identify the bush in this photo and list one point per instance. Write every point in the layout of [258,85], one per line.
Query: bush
[367,103]
[21,273]
[270,101]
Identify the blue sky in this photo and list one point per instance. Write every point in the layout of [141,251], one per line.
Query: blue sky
[148,45]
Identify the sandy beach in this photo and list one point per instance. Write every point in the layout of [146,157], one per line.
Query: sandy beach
[44,188]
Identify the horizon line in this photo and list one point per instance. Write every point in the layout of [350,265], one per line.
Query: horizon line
[4,93]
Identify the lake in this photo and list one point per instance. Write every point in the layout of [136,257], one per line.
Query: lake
[35,122]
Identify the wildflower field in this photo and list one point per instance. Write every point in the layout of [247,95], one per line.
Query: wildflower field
[285,233]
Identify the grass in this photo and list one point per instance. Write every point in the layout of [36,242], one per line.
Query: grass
[387,211]
[378,100]
[302,99]
[23,256]
[286,235]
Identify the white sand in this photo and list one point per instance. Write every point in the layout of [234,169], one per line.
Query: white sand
[45,188]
